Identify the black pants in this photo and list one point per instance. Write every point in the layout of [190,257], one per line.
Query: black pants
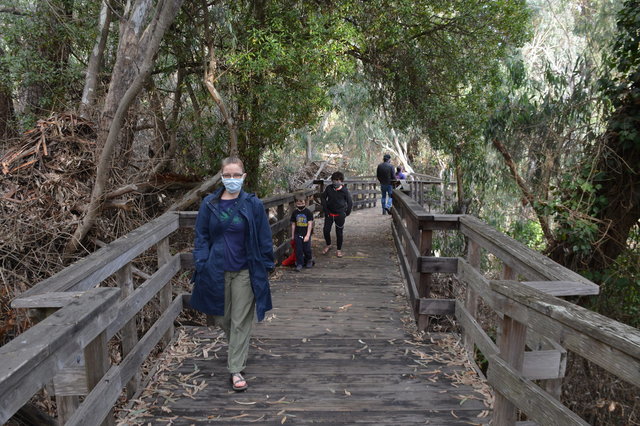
[303,251]
[328,223]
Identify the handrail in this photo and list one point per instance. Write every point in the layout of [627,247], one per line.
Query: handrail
[70,294]
[531,314]
[31,360]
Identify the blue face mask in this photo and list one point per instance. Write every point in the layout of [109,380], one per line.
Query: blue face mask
[232,185]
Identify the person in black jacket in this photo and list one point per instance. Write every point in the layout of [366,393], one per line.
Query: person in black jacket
[337,205]
[386,174]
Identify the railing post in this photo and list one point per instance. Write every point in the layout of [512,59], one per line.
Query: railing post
[165,294]
[96,356]
[511,346]
[471,297]
[129,332]
[511,338]
[424,286]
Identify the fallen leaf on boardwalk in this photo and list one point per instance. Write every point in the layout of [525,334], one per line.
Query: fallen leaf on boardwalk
[284,419]
[205,353]
[454,414]
[346,392]
[304,340]
[483,413]
[244,403]
[165,409]
[332,390]
[256,420]
[345,307]
[280,401]
[281,412]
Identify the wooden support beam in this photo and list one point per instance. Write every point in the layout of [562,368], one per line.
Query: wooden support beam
[90,271]
[432,264]
[437,306]
[99,402]
[612,345]
[564,288]
[537,404]
[48,300]
[129,332]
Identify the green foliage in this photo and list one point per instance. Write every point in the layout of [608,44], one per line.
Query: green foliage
[620,287]
[44,50]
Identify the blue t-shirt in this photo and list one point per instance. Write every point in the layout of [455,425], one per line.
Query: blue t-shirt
[235,252]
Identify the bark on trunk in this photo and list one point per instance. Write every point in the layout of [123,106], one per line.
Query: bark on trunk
[95,60]
[151,37]
[544,224]
[209,81]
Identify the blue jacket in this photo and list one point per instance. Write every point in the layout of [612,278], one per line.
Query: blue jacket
[208,254]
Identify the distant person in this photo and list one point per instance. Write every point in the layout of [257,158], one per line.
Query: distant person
[386,175]
[401,177]
[233,253]
[337,205]
[301,229]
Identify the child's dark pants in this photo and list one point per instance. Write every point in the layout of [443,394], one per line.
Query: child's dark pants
[328,223]
[303,251]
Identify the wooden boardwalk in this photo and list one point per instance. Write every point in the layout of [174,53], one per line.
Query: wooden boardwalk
[338,348]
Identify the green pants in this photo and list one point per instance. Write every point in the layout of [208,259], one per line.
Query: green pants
[239,308]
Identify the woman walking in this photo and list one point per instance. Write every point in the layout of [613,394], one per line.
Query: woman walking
[233,253]
[336,204]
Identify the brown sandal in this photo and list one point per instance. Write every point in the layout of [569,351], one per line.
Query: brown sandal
[339,253]
[326,249]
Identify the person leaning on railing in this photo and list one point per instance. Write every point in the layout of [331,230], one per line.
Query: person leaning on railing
[233,254]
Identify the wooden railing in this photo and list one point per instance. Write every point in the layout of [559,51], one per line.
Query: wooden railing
[67,351]
[536,327]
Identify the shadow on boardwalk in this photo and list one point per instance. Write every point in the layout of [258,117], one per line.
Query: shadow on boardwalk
[338,348]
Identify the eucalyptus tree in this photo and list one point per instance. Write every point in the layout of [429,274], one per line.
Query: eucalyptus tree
[432,64]
[271,64]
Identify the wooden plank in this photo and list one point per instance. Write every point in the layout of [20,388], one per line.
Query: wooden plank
[608,343]
[71,381]
[511,343]
[129,332]
[564,288]
[129,307]
[540,365]
[96,365]
[536,403]
[91,270]
[531,264]
[47,300]
[473,329]
[412,289]
[32,359]
[437,306]
[474,279]
[99,402]
[432,264]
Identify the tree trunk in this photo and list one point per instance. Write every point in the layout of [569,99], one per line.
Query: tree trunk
[459,188]
[95,60]
[209,80]
[151,37]
[544,223]
[7,115]
[309,148]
